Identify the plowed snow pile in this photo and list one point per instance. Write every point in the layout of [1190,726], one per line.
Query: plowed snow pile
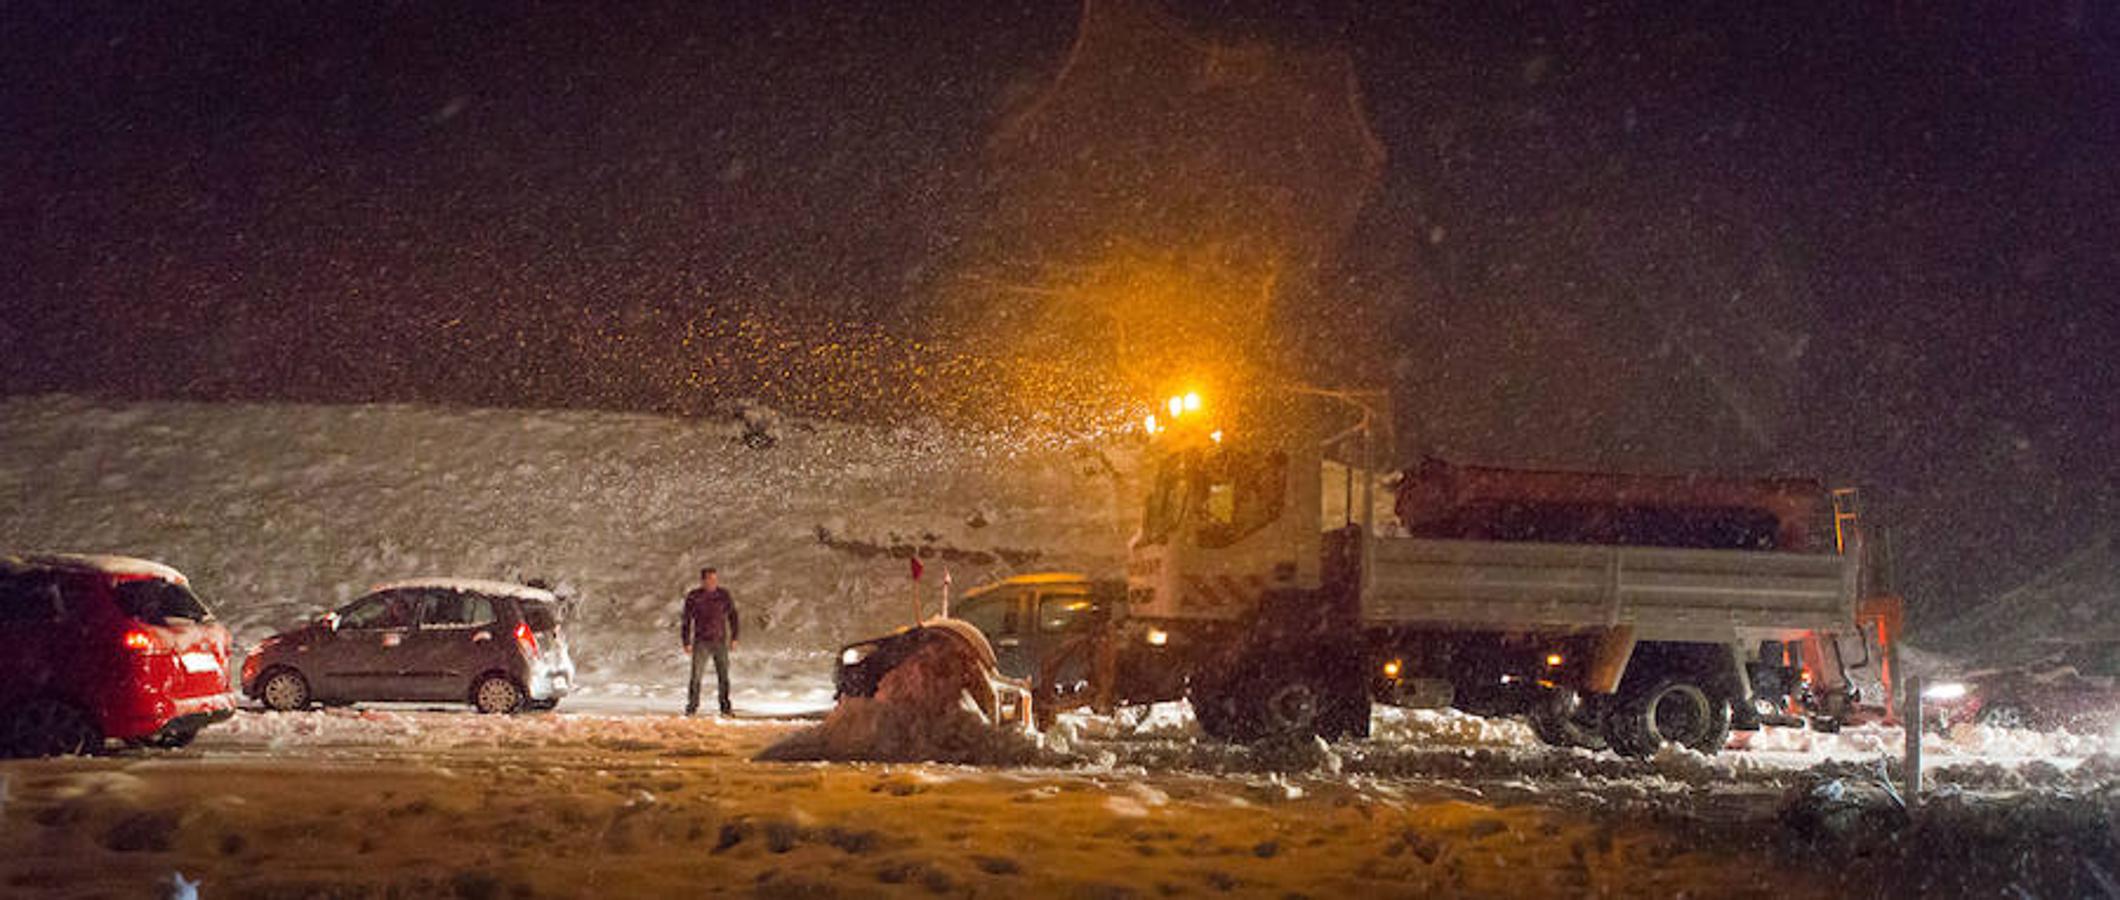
[933,707]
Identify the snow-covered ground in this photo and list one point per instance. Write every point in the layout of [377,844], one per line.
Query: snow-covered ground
[618,801]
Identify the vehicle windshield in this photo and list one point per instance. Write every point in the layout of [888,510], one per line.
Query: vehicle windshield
[1166,506]
[156,602]
[1225,494]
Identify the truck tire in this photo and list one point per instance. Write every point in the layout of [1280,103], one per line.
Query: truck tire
[1564,720]
[1671,708]
[1303,695]
[1215,709]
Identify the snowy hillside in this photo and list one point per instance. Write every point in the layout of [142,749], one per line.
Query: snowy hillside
[2078,599]
[278,510]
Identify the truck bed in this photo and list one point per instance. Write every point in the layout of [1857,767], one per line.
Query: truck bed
[1666,594]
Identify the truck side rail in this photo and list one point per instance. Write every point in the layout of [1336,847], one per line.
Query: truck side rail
[1666,594]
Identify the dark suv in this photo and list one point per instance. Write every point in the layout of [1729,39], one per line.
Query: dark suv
[495,645]
[96,648]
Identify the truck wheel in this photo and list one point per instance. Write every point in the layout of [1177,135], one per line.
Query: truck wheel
[1671,709]
[1309,698]
[1215,709]
[1564,720]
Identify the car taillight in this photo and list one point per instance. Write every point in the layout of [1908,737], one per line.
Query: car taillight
[525,639]
[139,641]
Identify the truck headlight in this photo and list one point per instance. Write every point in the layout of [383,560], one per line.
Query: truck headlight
[1944,691]
[1156,637]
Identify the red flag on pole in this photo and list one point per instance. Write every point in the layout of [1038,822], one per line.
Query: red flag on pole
[916,567]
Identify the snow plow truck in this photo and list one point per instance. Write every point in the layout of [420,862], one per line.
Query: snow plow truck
[1296,585]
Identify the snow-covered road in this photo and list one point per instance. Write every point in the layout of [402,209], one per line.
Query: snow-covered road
[614,796]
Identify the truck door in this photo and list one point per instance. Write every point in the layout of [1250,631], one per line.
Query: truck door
[1063,614]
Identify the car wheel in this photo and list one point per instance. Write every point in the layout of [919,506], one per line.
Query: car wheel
[176,740]
[1670,710]
[46,727]
[497,693]
[2002,715]
[284,690]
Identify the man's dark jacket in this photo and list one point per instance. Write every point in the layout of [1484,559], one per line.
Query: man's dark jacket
[710,617]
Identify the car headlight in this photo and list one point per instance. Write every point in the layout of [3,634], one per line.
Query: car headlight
[850,656]
[1944,691]
[1156,637]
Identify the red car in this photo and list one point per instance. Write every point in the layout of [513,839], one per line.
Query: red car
[98,648]
[2075,686]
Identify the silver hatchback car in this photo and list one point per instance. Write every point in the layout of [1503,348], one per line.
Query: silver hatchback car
[496,645]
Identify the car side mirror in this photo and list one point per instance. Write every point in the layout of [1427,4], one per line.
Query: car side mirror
[329,620]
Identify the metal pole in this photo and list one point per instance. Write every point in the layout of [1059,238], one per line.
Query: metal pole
[1913,743]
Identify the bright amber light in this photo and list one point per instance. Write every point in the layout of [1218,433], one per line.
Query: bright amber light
[1216,437]
[139,640]
[1177,406]
[1151,423]
[1392,669]
[1553,659]
[1192,402]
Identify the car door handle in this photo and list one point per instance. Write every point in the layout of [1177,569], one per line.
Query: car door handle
[481,636]
[1009,642]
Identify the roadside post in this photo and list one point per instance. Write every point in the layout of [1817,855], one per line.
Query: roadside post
[1912,718]
[913,586]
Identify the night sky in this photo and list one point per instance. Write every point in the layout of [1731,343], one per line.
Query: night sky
[1874,242]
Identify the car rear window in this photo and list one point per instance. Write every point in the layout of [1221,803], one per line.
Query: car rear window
[155,601]
[541,616]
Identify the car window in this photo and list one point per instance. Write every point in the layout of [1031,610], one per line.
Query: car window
[155,601]
[391,610]
[992,615]
[30,597]
[1062,611]
[457,609]
[542,617]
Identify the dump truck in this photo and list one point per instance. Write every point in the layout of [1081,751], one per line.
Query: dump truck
[1297,582]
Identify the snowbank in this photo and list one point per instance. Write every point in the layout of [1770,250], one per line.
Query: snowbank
[936,706]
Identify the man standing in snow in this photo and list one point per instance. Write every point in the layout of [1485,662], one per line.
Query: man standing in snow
[710,629]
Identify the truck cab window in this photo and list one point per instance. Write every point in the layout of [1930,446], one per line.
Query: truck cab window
[1166,501]
[1237,493]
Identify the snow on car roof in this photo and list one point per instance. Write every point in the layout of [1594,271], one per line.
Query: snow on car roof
[104,563]
[474,586]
